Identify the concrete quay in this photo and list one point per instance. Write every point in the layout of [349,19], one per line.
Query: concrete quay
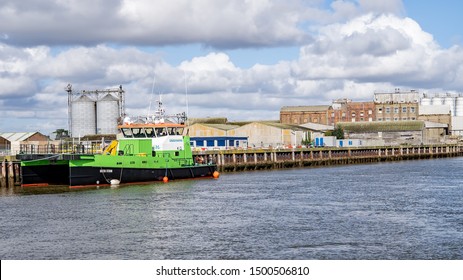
[258,159]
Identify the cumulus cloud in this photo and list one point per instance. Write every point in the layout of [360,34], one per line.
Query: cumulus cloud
[353,51]
[222,24]
[377,49]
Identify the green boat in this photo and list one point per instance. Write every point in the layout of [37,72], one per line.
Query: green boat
[145,151]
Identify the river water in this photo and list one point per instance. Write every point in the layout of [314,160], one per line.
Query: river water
[398,210]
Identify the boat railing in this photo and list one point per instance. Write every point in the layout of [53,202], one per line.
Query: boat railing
[82,147]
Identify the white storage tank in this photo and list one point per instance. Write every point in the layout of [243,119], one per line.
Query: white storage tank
[107,112]
[83,116]
[449,100]
[425,101]
[459,106]
[437,100]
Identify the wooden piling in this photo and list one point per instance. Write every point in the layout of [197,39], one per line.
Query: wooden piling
[3,174]
[238,160]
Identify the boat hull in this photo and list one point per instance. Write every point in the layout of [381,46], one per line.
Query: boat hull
[45,174]
[89,175]
[101,175]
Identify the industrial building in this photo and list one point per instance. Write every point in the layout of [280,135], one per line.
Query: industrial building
[396,106]
[262,134]
[396,133]
[215,136]
[296,115]
[13,143]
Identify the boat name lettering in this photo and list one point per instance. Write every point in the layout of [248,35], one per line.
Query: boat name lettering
[106,171]
[175,140]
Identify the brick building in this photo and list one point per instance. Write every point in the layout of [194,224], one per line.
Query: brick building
[397,106]
[296,115]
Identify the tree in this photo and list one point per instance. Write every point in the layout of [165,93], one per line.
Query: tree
[338,132]
[61,134]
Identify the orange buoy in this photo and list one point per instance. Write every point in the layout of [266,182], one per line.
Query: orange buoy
[165,179]
[216,174]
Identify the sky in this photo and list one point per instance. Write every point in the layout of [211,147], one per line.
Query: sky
[239,59]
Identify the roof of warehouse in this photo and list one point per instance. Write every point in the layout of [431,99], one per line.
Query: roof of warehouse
[284,126]
[315,108]
[17,136]
[382,126]
[219,126]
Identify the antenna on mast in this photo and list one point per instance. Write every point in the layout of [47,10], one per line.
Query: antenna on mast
[151,97]
[186,97]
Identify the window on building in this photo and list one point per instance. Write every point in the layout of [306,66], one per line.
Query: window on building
[370,112]
[396,110]
[412,109]
[380,119]
[380,110]
[361,114]
[353,114]
[396,119]
[388,110]
[404,109]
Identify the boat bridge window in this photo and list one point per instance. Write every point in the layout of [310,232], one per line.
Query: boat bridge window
[138,132]
[161,131]
[175,130]
[149,132]
[127,132]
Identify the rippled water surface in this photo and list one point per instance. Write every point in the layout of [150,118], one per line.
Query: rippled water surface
[399,210]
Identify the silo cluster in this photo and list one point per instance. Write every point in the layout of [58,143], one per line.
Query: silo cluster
[453,101]
[95,112]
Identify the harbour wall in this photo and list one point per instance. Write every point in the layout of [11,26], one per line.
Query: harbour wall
[240,160]
[261,159]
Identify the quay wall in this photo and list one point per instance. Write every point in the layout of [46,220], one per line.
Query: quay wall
[259,159]
[240,160]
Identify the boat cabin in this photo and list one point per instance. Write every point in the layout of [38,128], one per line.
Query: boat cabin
[151,130]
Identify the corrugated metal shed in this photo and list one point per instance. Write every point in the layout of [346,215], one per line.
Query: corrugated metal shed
[360,127]
[17,136]
[435,125]
[317,126]
[284,126]
[221,126]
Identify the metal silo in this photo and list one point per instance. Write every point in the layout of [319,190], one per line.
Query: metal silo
[449,100]
[107,108]
[437,100]
[459,106]
[83,116]
[425,101]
